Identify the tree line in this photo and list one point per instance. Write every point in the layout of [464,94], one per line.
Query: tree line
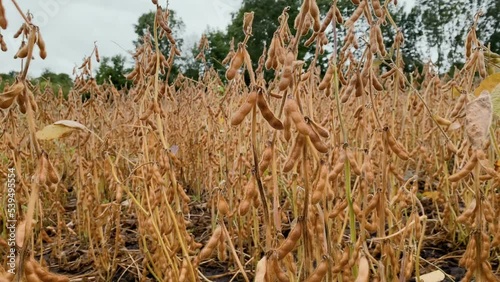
[433,30]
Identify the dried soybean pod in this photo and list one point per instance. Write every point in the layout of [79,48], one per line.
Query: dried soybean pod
[250,194]
[274,266]
[388,73]
[244,206]
[395,146]
[373,41]
[319,189]
[367,169]
[290,241]
[468,167]
[316,141]
[339,165]
[467,214]
[20,30]
[442,121]
[319,272]
[22,102]
[481,67]
[287,124]
[236,62]
[243,111]
[314,12]
[294,153]
[3,20]
[41,45]
[267,113]
[352,160]
[372,204]
[359,87]
[377,8]
[286,77]
[319,129]
[247,23]
[376,83]
[346,93]
[222,205]
[266,157]
[459,105]
[380,41]
[97,57]
[211,244]
[328,19]
[338,16]
[356,14]
[300,124]
[271,53]
[3,45]
[6,102]
[292,111]
[52,174]
[468,42]
[342,79]
[22,52]
[327,78]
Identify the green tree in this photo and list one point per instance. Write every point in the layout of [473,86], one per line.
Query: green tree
[411,26]
[489,25]
[7,78]
[55,80]
[112,69]
[265,23]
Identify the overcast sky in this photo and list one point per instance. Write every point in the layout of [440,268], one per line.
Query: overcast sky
[70,27]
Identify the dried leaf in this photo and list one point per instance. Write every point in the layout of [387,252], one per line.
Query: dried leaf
[478,115]
[488,84]
[260,271]
[59,129]
[435,276]
[20,232]
[495,100]
[454,126]
[71,123]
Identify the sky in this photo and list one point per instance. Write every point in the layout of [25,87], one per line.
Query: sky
[70,27]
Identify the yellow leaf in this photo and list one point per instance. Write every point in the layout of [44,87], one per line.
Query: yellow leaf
[495,100]
[456,91]
[53,131]
[59,129]
[434,195]
[488,84]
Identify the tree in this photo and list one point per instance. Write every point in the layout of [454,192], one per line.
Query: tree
[55,80]
[7,78]
[112,69]
[489,25]
[411,25]
[146,25]
[440,28]
[265,23]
